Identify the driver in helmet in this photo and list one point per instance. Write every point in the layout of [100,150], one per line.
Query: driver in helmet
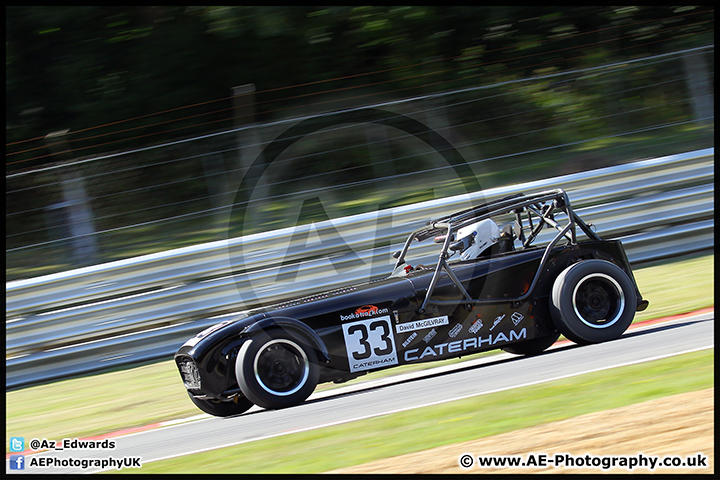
[475,239]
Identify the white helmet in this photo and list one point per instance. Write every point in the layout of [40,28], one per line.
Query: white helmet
[477,238]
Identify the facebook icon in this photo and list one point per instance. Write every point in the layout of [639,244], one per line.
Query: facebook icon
[17,462]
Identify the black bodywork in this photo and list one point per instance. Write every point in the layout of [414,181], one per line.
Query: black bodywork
[453,308]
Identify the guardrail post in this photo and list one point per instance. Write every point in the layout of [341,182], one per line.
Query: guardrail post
[249,147]
[698,84]
[75,205]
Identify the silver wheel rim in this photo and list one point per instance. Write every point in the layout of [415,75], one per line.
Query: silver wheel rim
[281,367]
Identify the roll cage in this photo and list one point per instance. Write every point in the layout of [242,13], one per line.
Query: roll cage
[542,207]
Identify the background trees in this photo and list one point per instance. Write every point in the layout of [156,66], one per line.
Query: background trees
[74,68]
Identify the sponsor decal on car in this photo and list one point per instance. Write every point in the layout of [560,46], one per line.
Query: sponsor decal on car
[497,320]
[378,362]
[370,343]
[458,346]
[365,311]
[420,324]
[409,340]
[430,335]
[476,326]
[516,317]
[455,330]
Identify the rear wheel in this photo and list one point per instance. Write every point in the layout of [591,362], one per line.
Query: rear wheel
[593,301]
[532,347]
[219,408]
[276,370]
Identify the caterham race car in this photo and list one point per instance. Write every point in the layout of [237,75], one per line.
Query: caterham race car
[492,287]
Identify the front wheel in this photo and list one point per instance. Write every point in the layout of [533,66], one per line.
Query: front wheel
[276,370]
[223,409]
[593,301]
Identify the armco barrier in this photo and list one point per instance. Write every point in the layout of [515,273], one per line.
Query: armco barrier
[145,307]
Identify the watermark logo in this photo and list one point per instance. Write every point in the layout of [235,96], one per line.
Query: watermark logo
[325,239]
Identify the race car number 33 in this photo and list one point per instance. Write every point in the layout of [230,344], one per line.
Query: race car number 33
[370,344]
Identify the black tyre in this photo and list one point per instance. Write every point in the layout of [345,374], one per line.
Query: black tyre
[223,409]
[593,301]
[532,347]
[276,370]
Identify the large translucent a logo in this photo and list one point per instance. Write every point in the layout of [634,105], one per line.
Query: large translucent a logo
[329,252]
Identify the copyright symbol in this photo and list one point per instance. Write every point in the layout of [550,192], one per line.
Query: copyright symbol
[466,460]
[34,444]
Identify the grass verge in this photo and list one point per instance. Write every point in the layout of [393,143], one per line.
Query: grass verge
[130,397]
[458,421]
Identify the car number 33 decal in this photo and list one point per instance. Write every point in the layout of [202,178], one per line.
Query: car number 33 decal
[370,344]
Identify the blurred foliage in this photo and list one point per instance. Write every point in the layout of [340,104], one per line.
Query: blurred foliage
[81,67]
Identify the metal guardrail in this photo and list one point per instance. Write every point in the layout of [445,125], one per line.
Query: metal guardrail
[145,307]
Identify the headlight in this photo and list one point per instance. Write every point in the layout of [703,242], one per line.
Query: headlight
[189,373]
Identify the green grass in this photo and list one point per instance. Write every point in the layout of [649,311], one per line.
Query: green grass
[476,417]
[676,287]
[130,397]
[97,404]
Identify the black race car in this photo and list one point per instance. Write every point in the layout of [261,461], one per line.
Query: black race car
[491,287]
